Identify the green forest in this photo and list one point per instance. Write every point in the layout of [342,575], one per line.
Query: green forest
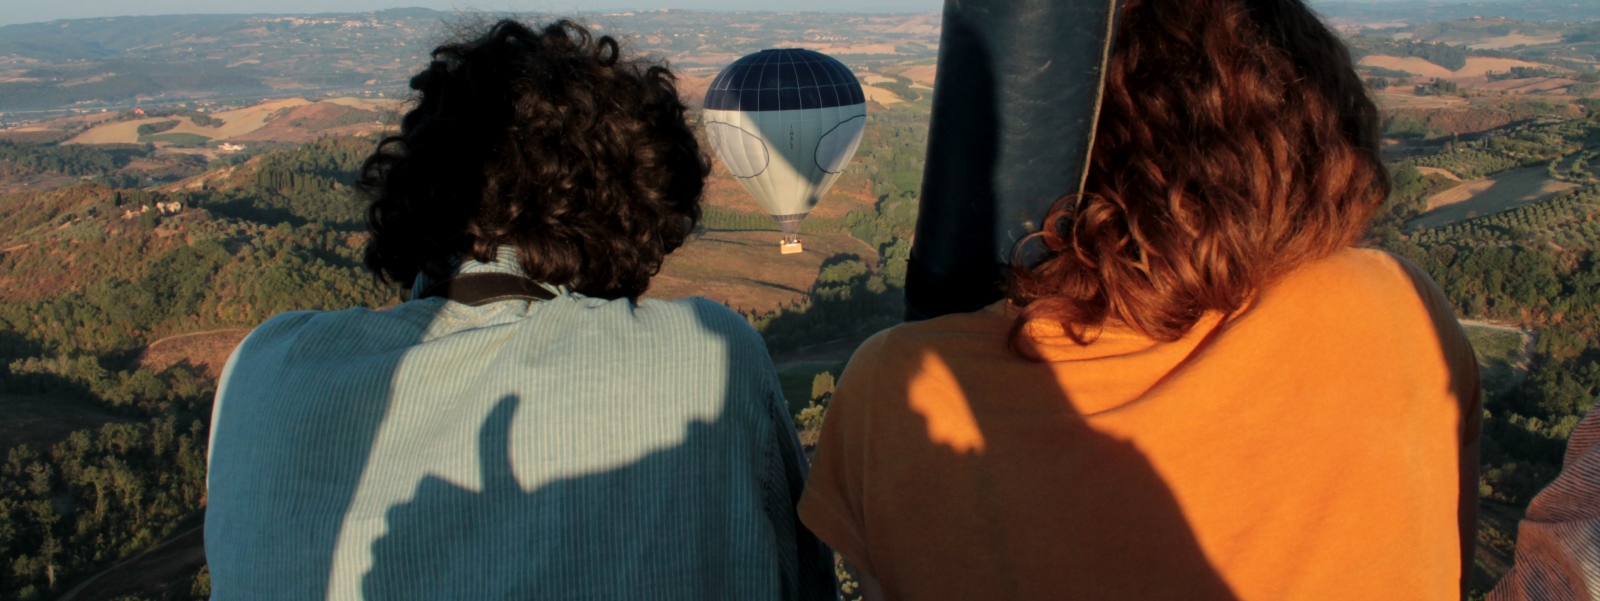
[1534,266]
[286,236]
[283,231]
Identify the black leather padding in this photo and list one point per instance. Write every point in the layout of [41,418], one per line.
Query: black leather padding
[1015,103]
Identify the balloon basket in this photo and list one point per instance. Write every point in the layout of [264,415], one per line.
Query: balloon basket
[790,247]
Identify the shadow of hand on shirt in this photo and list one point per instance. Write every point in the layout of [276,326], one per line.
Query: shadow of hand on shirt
[685,520]
[452,542]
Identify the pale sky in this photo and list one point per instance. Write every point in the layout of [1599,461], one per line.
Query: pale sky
[30,11]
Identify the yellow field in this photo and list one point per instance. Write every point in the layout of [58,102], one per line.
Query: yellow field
[1515,39]
[920,74]
[236,123]
[381,105]
[1477,66]
[880,95]
[843,48]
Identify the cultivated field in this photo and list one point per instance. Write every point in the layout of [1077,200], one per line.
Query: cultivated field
[236,123]
[1492,195]
[1477,66]
[1515,39]
[1401,97]
[744,270]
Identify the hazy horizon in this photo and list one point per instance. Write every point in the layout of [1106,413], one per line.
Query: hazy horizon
[15,13]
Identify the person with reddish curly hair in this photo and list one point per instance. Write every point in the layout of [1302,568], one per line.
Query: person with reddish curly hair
[524,426]
[1205,388]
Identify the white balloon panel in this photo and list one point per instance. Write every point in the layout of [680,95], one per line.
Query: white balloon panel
[743,153]
[805,151]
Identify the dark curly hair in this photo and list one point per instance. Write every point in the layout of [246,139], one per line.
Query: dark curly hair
[546,140]
[1235,143]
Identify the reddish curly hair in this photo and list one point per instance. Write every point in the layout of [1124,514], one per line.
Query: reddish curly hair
[1235,143]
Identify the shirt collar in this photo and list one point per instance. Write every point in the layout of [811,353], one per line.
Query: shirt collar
[505,261]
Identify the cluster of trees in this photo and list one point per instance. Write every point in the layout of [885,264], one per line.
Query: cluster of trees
[228,276]
[74,159]
[1519,145]
[350,116]
[1568,222]
[103,495]
[1437,87]
[196,117]
[848,299]
[1450,57]
[1409,196]
[146,129]
[1389,73]
[98,498]
[1470,162]
[1558,293]
[1521,73]
[310,184]
[891,157]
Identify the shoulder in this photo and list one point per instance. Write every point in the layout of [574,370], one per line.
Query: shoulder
[338,333]
[971,333]
[901,353]
[1378,282]
[1353,267]
[701,317]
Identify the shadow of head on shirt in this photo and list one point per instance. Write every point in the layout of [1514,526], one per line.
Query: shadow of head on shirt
[604,535]
[1025,498]
[537,460]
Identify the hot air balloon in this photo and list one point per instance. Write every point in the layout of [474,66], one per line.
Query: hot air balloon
[785,123]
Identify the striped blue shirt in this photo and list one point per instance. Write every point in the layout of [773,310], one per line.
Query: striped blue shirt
[576,448]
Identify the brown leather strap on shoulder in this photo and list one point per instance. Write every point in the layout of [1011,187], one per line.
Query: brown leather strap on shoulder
[479,289]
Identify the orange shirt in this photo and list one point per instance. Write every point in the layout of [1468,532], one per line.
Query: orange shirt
[1306,448]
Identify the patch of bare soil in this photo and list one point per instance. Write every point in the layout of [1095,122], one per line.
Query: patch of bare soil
[745,271]
[1437,171]
[206,352]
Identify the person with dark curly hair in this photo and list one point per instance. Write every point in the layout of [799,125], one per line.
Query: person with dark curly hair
[1204,389]
[525,426]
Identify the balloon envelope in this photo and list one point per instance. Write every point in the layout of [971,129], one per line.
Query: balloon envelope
[785,123]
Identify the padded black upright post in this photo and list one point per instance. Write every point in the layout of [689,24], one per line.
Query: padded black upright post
[1014,107]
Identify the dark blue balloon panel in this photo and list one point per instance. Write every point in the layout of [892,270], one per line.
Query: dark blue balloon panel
[784,80]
